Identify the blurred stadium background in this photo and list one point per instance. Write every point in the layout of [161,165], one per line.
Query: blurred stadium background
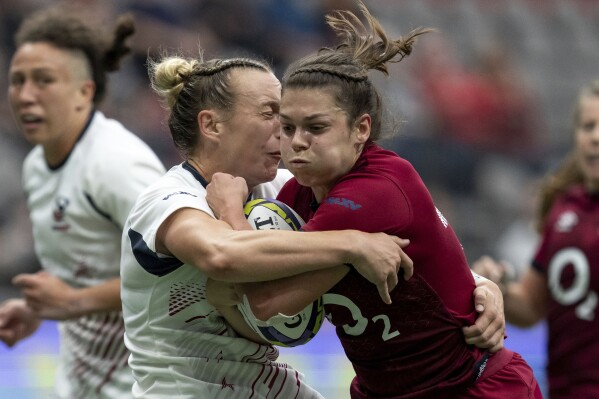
[482,108]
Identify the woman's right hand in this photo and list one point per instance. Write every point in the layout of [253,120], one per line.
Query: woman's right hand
[226,195]
[380,260]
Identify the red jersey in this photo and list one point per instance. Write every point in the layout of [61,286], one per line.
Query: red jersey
[413,348]
[569,258]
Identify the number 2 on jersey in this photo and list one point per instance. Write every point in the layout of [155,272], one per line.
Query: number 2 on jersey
[361,322]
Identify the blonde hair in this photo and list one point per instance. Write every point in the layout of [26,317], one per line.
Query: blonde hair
[188,85]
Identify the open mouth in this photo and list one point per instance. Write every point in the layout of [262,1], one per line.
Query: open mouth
[30,120]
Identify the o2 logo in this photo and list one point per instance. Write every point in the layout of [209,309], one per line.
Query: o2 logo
[579,290]
[361,322]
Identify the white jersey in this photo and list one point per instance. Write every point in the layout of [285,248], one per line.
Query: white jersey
[180,345]
[77,211]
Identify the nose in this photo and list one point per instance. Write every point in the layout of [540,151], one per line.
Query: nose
[277,129]
[300,139]
[24,93]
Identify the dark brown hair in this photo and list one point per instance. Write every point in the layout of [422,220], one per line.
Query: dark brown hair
[65,29]
[345,68]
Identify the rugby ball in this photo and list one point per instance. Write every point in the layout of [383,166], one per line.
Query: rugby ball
[280,330]
[270,214]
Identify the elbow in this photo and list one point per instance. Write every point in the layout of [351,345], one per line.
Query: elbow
[219,268]
[217,263]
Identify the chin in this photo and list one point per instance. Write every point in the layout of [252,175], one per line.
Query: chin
[267,176]
[303,182]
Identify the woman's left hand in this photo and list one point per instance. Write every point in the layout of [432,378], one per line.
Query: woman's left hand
[488,331]
[221,294]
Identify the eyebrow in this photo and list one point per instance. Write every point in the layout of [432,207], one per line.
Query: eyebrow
[43,69]
[307,118]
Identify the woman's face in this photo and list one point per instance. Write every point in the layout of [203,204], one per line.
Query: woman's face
[587,141]
[317,144]
[49,93]
[249,145]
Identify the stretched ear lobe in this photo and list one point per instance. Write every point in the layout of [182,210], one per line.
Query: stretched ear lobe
[208,124]
[363,129]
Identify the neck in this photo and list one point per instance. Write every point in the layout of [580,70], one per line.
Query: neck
[56,151]
[320,193]
[202,169]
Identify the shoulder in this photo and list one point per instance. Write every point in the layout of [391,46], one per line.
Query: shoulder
[175,190]
[34,158]
[34,170]
[376,162]
[176,181]
[112,136]
[575,199]
[113,149]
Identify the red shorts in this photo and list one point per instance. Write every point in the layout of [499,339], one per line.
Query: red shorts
[506,375]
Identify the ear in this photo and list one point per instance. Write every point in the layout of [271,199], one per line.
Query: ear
[209,125]
[86,91]
[362,129]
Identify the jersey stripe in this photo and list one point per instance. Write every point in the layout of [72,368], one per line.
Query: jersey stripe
[149,259]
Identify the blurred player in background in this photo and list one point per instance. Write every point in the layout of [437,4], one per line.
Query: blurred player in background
[563,282]
[81,180]
[414,347]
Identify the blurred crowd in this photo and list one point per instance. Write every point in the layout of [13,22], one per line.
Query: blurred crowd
[481,107]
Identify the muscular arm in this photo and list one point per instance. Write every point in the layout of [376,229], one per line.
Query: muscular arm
[196,238]
[292,294]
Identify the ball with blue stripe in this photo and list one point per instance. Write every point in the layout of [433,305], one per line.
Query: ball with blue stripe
[270,214]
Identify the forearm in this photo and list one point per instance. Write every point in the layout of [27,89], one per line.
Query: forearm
[289,295]
[247,256]
[104,297]
[520,309]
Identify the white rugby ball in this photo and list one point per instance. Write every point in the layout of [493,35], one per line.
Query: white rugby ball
[281,330]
